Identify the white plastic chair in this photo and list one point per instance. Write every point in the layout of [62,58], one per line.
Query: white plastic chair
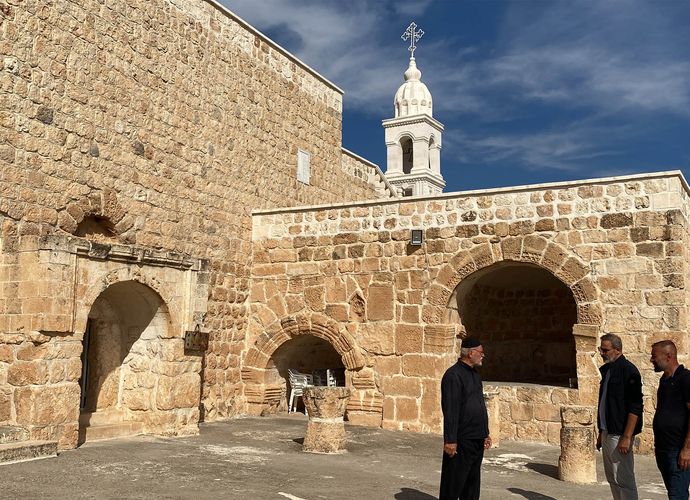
[330,376]
[298,381]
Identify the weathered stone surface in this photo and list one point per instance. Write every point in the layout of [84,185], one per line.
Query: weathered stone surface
[324,437]
[326,402]
[181,391]
[326,428]
[49,405]
[380,303]
[27,373]
[377,338]
[577,463]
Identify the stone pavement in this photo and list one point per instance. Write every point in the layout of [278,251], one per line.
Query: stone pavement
[261,458]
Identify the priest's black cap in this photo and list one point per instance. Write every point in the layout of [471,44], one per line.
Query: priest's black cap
[470,342]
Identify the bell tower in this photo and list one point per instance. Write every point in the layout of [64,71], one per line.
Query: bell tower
[413,137]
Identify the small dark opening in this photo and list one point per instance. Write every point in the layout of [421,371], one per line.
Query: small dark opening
[92,225]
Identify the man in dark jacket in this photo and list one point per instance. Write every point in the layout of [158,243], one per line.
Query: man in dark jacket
[465,425]
[671,429]
[619,417]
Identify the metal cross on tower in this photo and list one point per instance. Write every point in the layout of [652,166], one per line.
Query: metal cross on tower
[412,34]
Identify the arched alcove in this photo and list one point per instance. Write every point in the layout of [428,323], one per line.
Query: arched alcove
[264,379]
[125,336]
[94,226]
[524,316]
[306,354]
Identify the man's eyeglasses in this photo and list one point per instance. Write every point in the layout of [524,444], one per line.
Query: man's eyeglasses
[481,353]
[604,350]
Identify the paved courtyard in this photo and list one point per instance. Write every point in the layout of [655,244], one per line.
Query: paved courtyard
[261,458]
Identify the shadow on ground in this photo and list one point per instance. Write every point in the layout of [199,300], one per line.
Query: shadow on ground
[531,495]
[410,494]
[545,469]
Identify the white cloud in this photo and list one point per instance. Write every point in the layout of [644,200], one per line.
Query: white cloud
[567,149]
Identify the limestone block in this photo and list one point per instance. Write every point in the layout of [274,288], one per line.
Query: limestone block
[401,386]
[423,365]
[6,353]
[380,302]
[406,409]
[47,405]
[408,339]
[5,406]
[27,373]
[493,409]
[439,338]
[366,419]
[377,338]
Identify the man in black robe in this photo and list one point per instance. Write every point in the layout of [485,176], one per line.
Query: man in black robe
[465,425]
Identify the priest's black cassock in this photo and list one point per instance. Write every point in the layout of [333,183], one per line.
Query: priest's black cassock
[466,423]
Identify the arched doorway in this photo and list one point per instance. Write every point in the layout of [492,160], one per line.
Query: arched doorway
[124,346]
[306,354]
[524,316]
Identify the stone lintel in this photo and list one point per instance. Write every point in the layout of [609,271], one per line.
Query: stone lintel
[590,331]
[121,253]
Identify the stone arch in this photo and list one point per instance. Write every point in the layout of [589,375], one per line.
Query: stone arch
[533,249]
[544,253]
[101,207]
[135,377]
[122,274]
[255,368]
[281,331]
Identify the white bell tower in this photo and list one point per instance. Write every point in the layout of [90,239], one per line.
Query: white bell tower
[413,137]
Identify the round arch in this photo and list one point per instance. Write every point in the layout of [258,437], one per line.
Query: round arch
[548,255]
[259,389]
[122,274]
[532,249]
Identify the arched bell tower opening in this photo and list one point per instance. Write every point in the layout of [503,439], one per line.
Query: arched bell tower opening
[407,154]
[308,355]
[524,317]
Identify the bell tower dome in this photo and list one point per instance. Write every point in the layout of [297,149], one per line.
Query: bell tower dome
[413,137]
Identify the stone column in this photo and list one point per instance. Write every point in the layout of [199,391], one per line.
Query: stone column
[493,409]
[577,463]
[326,428]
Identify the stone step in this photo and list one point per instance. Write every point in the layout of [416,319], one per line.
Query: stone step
[12,433]
[109,431]
[103,417]
[23,451]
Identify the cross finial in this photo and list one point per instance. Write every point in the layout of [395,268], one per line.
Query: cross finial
[413,35]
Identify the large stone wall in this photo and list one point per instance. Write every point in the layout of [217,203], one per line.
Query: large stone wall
[156,125]
[618,245]
[529,331]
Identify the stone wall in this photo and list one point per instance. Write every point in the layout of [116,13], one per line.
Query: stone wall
[617,244]
[527,333]
[58,285]
[155,125]
[367,172]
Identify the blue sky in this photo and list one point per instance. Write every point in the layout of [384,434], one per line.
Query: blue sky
[528,91]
